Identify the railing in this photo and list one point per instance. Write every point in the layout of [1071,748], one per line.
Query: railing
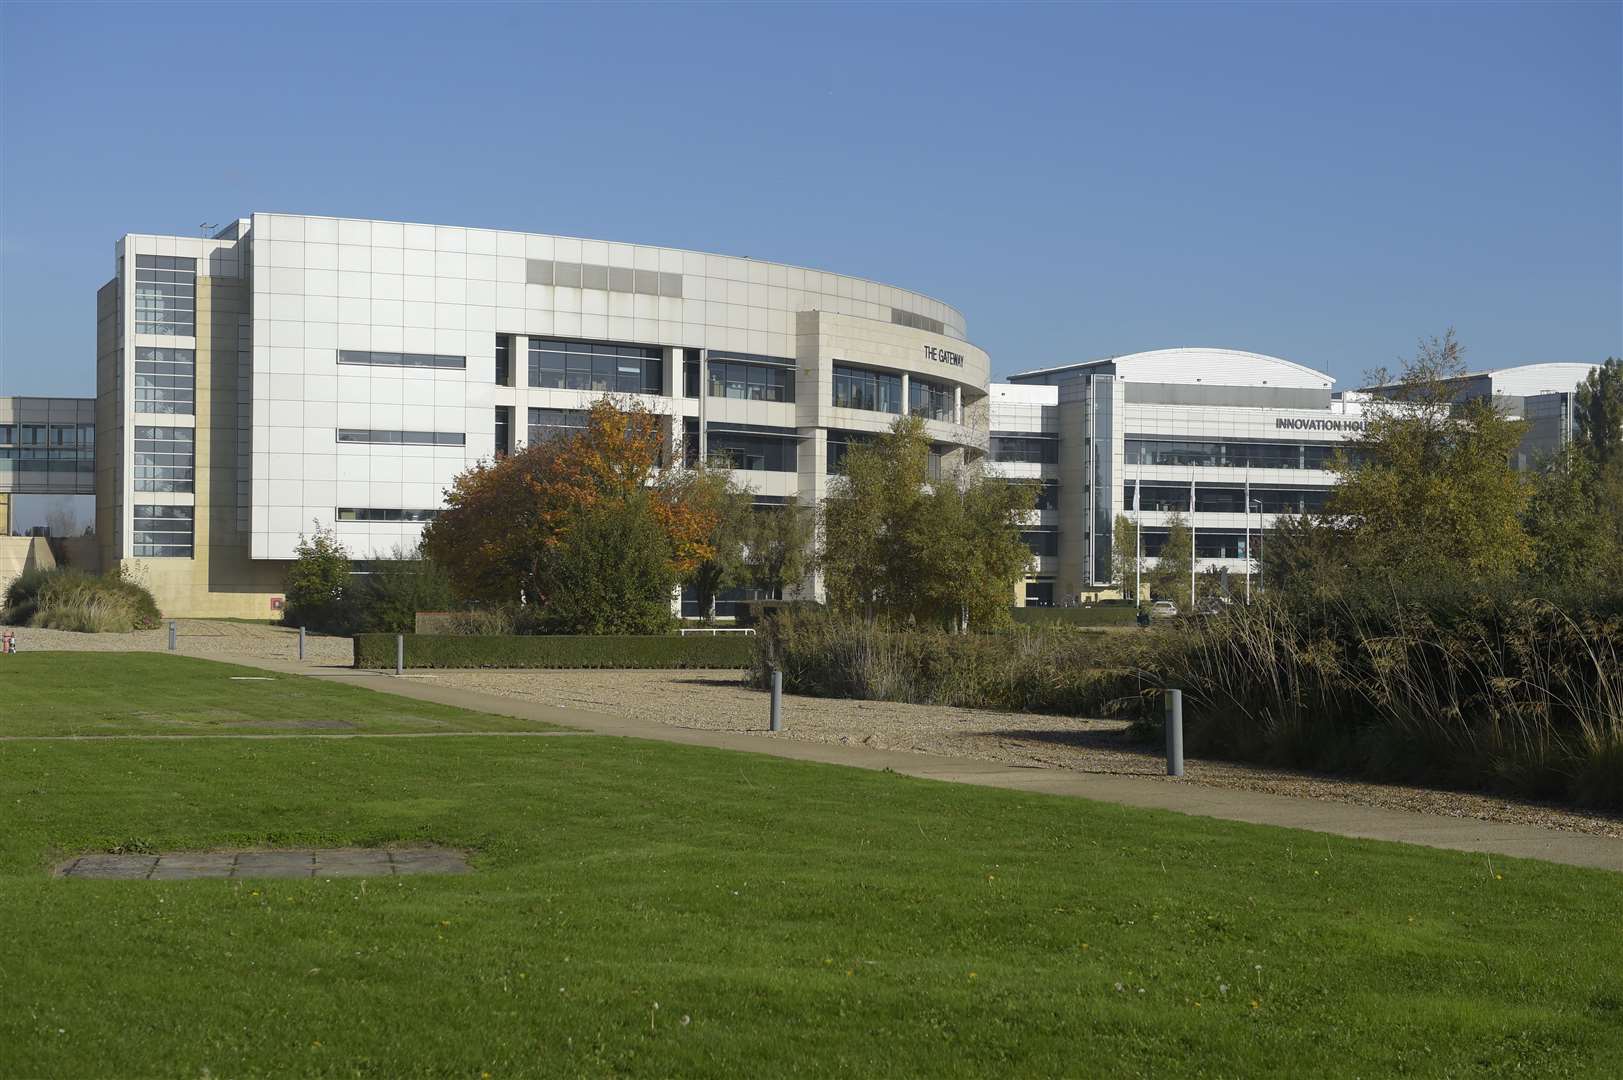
[747,631]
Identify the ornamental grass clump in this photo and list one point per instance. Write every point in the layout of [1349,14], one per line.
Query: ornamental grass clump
[62,598]
[1069,672]
[1513,695]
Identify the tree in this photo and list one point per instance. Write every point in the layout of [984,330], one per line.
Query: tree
[1126,564]
[777,547]
[507,534]
[317,583]
[1575,518]
[895,544]
[388,599]
[724,565]
[1169,580]
[1598,414]
[1431,474]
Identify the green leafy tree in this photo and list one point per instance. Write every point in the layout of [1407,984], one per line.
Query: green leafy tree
[1575,518]
[317,584]
[1598,414]
[1125,563]
[777,547]
[1431,477]
[388,599]
[730,506]
[1169,580]
[612,572]
[895,544]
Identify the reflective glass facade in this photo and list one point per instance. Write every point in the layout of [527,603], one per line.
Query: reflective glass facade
[164,458]
[858,388]
[163,531]
[165,380]
[592,365]
[165,295]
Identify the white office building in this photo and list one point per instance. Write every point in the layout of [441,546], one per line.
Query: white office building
[295,372]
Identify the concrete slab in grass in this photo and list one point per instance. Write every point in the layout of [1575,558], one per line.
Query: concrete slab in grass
[285,863]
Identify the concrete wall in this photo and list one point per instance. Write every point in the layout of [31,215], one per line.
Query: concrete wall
[22,553]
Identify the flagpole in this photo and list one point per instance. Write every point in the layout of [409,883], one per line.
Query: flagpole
[1248,536]
[1191,540]
[1138,537]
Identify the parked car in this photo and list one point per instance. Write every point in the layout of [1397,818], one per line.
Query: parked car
[1163,609]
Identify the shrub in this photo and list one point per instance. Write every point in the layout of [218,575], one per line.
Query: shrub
[67,599]
[1071,673]
[554,651]
[387,600]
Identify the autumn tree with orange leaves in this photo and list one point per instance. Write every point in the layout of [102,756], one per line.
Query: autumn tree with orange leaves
[586,531]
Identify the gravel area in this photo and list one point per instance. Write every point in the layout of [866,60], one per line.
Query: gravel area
[718,700]
[212,638]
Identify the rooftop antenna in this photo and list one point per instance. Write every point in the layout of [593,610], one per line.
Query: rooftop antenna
[206,227]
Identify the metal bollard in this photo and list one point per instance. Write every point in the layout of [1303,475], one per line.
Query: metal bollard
[400,654]
[301,643]
[171,635]
[777,700]
[1174,732]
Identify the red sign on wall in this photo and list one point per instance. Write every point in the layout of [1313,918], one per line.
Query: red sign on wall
[276,603]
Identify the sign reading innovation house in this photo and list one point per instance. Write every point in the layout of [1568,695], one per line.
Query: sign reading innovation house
[1298,423]
[943,356]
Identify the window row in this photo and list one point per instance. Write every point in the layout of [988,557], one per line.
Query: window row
[585,365]
[931,400]
[43,453]
[165,295]
[165,458]
[751,382]
[555,423]
[1227,499]
[163,531]
[839,445]
[1030,450]
[165,380]
[401,438]
[1258,454]
[48,435]
[576,275]
[859,388]
[1209,543]
[757,453]
[373,513]
[1041,541]
[395,359]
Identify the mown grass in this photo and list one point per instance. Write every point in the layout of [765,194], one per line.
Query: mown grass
[643,909]
[74,693]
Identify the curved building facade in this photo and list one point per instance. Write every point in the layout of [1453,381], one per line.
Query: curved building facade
[295,372]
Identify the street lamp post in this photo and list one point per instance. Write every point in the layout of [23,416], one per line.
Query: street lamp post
[1249,503]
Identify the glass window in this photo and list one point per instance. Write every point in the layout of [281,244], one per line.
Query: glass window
[165,380]
[394,359]
[164,458]
[555,423]
[1239,454]
[757,453]
[165,295]
[504,360]
[402,438]
[1032,451]
[599,366]
[931,400]
[839,445]
[1041,541]
[859,388]
[163,531]
[372,513]
[504,430]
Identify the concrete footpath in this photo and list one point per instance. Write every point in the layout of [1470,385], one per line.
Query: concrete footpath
[1259,808]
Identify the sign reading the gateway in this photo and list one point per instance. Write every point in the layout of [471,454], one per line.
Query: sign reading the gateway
[1297,423]
[942,356]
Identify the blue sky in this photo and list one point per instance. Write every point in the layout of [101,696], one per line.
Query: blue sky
[1324,183]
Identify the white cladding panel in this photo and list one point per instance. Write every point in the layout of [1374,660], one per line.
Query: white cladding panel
[1225,367]
[1530,379]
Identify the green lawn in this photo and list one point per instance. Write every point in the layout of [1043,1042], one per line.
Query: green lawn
[642,909]
[45,693]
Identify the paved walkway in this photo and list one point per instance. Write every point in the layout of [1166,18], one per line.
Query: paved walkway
[1260,808]
[279,863]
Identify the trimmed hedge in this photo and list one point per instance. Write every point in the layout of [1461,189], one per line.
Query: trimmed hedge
[555,651]
[1097,615]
